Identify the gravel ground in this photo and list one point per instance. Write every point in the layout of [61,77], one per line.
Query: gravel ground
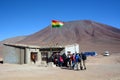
[98,68]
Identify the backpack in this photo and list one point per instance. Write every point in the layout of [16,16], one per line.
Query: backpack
[73,57]
[61,59]
[77,58]
[84,57]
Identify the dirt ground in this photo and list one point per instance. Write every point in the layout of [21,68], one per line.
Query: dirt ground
[98,68]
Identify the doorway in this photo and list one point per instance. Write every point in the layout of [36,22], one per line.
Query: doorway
[34,57]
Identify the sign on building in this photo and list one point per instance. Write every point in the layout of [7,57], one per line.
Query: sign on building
[74,48]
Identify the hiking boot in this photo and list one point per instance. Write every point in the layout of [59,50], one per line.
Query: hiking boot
[81,68]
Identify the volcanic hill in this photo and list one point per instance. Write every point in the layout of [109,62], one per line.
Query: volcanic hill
[90,35]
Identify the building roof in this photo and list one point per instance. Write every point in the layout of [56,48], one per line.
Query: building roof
[31,46]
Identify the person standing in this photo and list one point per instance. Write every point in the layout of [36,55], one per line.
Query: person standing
[61,61]
[84,58]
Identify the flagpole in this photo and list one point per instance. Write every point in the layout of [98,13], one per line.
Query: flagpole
[56,24]
[74,42]
[51,41]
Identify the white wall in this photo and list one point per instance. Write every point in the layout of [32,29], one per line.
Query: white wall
[72,48]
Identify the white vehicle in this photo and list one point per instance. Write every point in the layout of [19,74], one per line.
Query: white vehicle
[106,53]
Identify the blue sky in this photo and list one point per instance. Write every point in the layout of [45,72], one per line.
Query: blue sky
[25,17]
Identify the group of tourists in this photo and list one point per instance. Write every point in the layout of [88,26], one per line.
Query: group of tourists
[74,61]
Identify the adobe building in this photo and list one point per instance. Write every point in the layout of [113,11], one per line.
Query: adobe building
[29,54]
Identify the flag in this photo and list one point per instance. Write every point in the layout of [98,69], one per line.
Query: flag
[57,24]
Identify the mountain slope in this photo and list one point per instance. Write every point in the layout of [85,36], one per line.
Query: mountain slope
[75,31]
[91,36]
